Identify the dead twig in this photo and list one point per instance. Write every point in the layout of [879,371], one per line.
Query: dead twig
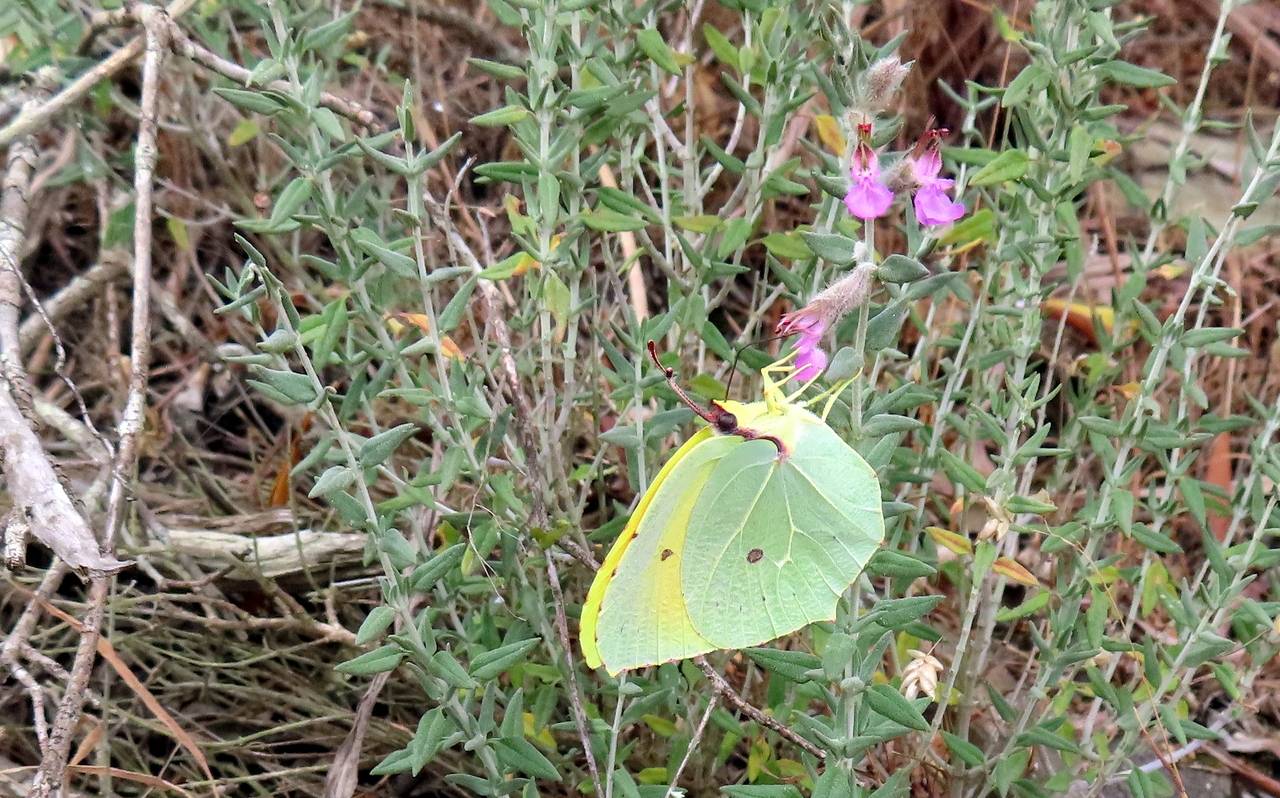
[184,46]
[342,778]
[53,764]
[35,118]
[725,689]
[33,482]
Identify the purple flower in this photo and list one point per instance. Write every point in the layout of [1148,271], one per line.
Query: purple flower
[933,205]
[868,197]
[811,360]
[810,325]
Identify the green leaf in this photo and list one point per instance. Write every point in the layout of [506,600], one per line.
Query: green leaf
[736,232]
[885,327]
[832,247]
[498,117]
[492,663]
[963,473]
[372,244]
[1029,607]
[497,69]
[791,665]
[1042,736]
[504,268]
[761,791]
[1207,646]
[697,224]
[245,131]
[1133,75]
[1209,335]
[901,269]
[519,753]
[659,725]
[1122,502]
[896,613]
[279,342]
[1008,165]
[887,562]
[1079,145]
[380,660]
[977,226]
[324,35]
[787,245]
[251,101]
[335,478]
[651,44]
[896,786]
[968,753]
[1009,769]
[555,295]
[377,621]
[298,388]
[398,761]
[434,569]
[1031,80]
[452,314]
[889,702]
[377,449]
[447,667]
[610,221]
[1156,541]
[724,50]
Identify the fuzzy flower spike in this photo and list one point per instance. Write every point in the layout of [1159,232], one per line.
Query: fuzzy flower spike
[868,197]
[811,322]
[932,203]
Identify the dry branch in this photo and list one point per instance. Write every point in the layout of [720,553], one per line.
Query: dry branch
[33,119]
[33,483]
[53,764]
[270,557]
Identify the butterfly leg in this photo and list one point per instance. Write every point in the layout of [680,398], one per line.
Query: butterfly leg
[800,391]
[772,387]
[830,395]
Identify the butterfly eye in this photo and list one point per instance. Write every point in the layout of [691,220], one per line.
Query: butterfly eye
[726,422]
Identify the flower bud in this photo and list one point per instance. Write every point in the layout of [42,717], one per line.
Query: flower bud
[881,81]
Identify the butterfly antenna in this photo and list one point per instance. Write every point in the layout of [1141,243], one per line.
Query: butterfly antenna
[733,365]
[670,375]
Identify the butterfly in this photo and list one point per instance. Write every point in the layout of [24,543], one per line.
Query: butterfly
[752,530]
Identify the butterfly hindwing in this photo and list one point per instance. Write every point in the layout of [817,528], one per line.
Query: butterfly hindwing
[774,541]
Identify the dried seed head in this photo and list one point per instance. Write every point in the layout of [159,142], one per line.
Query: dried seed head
[899,177]
[881,81]
[920,677]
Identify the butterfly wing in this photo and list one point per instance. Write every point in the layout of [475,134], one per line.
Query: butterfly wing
[773,542]
[635,613]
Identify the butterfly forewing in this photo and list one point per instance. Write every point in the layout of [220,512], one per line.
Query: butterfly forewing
[639,616]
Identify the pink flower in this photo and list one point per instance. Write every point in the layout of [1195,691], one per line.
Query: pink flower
[809,324]
[811,360]
[932,204]
[868,197]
